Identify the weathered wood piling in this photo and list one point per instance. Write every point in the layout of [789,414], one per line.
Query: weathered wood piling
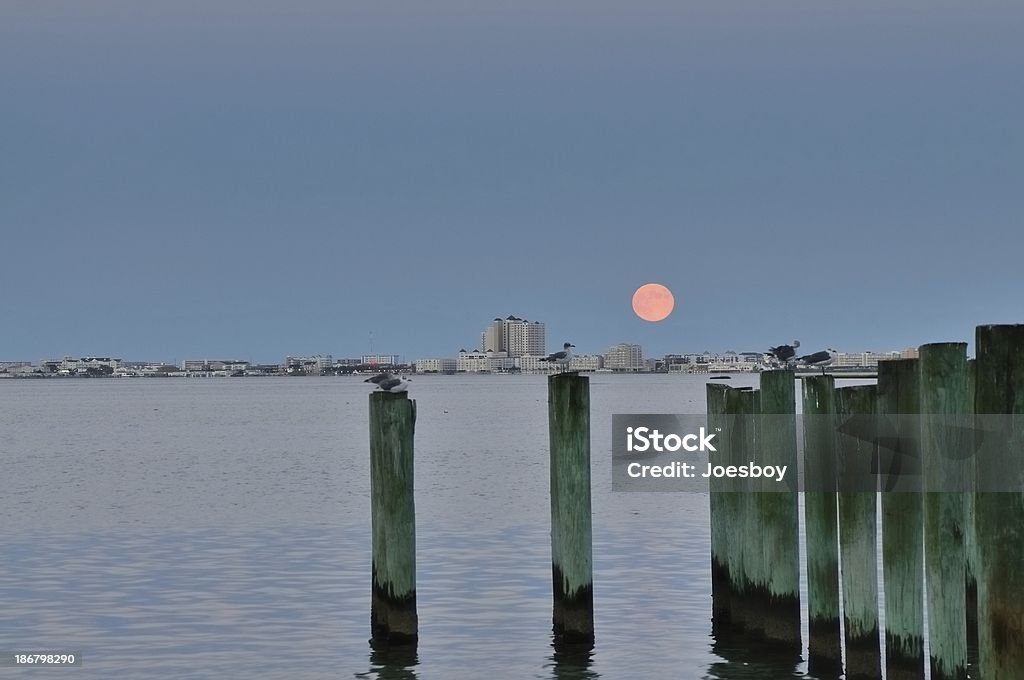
[945,442]
[820,513]
[744,554]
[970,536]
[902,517]
[778,510]
[720,518]
[943,439]
[571,531]
[856,456]
[999,501]
[393,619]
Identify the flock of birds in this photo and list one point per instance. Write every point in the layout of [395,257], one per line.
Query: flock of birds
[782,355]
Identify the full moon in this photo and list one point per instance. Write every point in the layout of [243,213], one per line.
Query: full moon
[653,302]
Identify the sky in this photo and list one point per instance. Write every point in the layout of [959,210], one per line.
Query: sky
[201,179]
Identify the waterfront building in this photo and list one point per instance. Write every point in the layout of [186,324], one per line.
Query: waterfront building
[536,363]
[212,365]
[10,369]
[14,365]
[586,362]
[484,362]
[73,366]
[863,359]
[625,357]
[436,365]
[318,364]
[514,336]
[380,359]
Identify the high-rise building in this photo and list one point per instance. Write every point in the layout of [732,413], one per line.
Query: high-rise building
[514,336]
[491,340]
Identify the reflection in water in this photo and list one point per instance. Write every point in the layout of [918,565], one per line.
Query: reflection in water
[745,656]
[389,662]
[572,661]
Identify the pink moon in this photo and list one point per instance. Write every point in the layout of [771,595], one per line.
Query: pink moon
[653,302]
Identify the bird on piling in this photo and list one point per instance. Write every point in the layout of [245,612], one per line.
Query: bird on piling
[388,383]
[822,359]
[784,353]
[561,358]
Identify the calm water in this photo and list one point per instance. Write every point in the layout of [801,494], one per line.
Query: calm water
[220,528]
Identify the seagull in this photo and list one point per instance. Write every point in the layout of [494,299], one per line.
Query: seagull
[561,358]
[784,353]
[822,359]
[389,383]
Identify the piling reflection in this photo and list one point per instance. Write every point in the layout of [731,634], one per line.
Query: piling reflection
[572,661]
[746,656]
[392,662]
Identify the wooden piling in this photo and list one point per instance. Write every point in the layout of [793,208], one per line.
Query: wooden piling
[857,538]
[999,516]
[970,537]
[720,517]
[944,443]
[902,518]
[745,553]
[571,531]
[393,619]
[779,511]
[820,514]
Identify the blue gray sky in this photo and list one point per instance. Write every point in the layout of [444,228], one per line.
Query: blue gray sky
[198,179]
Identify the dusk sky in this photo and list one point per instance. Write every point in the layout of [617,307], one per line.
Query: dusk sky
[254,179]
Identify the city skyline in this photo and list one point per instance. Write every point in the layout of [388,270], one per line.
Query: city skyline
[626,352]
[510,336]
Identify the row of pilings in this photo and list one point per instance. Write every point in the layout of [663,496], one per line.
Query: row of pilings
[961,552]
[952,514]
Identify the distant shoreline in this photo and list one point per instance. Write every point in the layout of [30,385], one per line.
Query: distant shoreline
[800,373]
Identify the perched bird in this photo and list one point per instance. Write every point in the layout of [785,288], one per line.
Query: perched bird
[388,383]
[821,359]
[561,358]
[784,353]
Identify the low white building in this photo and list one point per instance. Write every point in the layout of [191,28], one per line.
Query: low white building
[586,362]
[484,362]
[212,365]
[436,365]
[13,368]
[380,359]
[71,365]
[536,363]
[863,359]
